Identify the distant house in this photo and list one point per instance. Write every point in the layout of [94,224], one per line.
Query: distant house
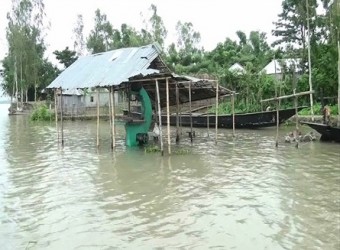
[278,67]
[237,69]
[76,101]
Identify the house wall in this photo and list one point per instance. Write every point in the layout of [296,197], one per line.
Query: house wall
[86,105]
[72,105]
[90,99]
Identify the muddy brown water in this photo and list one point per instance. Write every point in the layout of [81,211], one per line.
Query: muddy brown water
[242,193]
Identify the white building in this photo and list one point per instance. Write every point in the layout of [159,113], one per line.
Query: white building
[278,67]
[237,69]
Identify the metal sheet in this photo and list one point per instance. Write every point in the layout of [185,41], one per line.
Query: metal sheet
[108,68]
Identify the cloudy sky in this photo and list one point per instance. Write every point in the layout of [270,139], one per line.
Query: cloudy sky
[214,19]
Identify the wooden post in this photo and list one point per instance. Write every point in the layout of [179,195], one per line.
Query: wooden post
[191,135]
[129,96]
[233,110]
[277,123]
[98,117]
[296,118]
[208,121]
[338,79]
[168,114]
[56,113]
[61,117]
[113,115]
[277,109]
[110,116]
[177,113]
[216,113]
[208,124]
[309,63]
[159,117]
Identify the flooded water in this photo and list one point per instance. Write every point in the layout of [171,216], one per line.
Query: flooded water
[238,194]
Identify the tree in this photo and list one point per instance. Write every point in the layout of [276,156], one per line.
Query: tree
[100,38]
[158,31]
[66,56]
[187,38]
[26,47]
[79,42]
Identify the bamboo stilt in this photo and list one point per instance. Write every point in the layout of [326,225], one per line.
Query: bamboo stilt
[309,63]
[159,117]
[177,114]
[338,81]
[191,135]
[233,110]
[216,113]
[168,115]
[61,117]
[208,122]
[113,115]
[296,119]
[98,117]
[110,115]
[56,113]
[277,123]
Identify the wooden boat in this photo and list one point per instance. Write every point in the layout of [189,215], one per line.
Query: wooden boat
[242,120]
[328,133]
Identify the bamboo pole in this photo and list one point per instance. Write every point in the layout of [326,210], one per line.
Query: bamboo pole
[98,100]
[159,117]
[113,114]
[216,113]
[287,96]
[277,123]
[208,125]
[61,117]
[309,63]
[56,113]
[177,113]
[233,110]
[110,115]
[168,115]
[190,111]
[277,110]
[296,117]
[338,80]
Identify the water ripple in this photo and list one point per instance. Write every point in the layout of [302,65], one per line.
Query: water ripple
[241,193]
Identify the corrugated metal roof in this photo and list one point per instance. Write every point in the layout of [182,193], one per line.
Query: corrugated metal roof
[108,68]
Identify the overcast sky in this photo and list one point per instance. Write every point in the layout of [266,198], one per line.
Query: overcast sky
[214,19]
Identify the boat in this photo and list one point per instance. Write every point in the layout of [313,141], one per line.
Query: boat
[242,120]
[328,133]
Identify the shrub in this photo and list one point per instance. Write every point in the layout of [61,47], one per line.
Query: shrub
[41,113]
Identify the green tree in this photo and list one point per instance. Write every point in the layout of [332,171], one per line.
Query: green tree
[158,31]
[79,41]
[26,47]
[66,56]
[100,38]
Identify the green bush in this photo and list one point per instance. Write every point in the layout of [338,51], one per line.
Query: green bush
[41,113]
[317,110]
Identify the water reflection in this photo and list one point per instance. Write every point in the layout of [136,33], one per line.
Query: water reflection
[242,193]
